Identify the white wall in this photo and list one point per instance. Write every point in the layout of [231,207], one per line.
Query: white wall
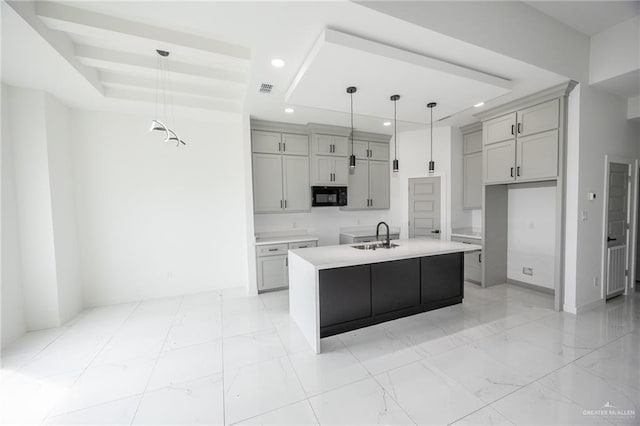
[531,235]
[13,317]
[615,51]
[413,153]
[156,220]
[33,201]
[603,129]
[61,185]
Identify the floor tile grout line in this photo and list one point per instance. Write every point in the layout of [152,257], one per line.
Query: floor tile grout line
[155,364]
[90,363]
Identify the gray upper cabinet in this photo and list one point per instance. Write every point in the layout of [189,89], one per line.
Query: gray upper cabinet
[472,169]
[472,175]
[266,142]
[358,191]
[267,183]
[498,164]
[280,172]
[379,184]
[500,129]
[361,149]
[329,171]
[365,150]
[530,153]
[539,118]
[331,145]
[537,156]
[369,185]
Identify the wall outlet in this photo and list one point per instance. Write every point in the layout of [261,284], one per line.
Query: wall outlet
[595,281]
[584,215]
[527,271]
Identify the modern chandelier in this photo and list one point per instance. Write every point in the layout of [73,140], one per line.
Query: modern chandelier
[163,85]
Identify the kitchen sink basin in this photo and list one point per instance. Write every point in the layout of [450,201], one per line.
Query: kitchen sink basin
[374,246]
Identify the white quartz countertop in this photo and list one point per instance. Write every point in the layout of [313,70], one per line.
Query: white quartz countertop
[328,257]
[285,239]
[371,232]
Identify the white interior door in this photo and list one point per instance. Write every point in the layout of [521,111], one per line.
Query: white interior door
[617,227]
[424,208]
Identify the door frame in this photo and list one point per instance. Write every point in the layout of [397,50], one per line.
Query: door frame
[632,217]
[444,223]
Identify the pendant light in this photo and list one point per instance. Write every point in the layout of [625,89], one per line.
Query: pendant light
[395,98]
[432,164]
[163,84]
[352,158]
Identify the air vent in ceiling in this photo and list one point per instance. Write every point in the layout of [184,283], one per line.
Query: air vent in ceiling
[266,88]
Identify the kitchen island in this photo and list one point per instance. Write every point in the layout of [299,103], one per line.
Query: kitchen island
[333,289]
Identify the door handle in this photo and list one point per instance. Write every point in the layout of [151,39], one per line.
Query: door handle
[512,129]
[479,257]
[519,127]
[511,172]
[435,231]
[609,239]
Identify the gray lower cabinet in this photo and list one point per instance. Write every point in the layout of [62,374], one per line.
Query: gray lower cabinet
[273,263]
[358,296]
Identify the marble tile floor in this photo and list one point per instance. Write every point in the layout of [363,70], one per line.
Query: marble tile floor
[502,357]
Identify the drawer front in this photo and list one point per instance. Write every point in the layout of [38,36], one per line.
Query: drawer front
[302,244]
[273,249]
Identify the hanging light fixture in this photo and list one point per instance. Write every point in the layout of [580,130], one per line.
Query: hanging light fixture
[163,84]
[432,164]
[352,158]
[395,98]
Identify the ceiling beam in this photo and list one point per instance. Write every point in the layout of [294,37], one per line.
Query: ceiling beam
[113,79]
[100,57]
[71,18]
[176,100]
[60,42]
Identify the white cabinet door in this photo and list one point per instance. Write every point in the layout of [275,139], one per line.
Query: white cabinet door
[499,162]
[538,156]
[322,170]
[340,171]
[539,118]
[296,194]
[358,191]
[378,151]
[272,272]
[340,145]
[379,184]
[472,175]
[472,142]
[293,144]
[265,142]
[267,183]
[360,149]
[499,129]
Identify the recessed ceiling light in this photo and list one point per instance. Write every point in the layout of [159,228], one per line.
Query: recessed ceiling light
[289,110]
[479,104]
[277,62]
[386,123]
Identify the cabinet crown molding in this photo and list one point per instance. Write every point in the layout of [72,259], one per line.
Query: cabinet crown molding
[553,92]
[311,128]
[280,127]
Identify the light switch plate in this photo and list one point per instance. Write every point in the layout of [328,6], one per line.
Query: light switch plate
[585,215]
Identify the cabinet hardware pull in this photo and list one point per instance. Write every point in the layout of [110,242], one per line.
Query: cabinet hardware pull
[518,171]
[285,204]
[284,147]
[479,257]
[512,127]
[273,249]
[519,127]
[512,172]
[279,146]
[280,203]
[286,261]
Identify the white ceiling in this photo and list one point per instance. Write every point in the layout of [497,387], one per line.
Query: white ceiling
[209,44]
[589,17]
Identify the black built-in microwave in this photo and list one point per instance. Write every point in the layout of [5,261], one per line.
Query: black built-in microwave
[328,196]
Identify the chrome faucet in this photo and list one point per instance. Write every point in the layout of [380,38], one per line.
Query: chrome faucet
[387,243]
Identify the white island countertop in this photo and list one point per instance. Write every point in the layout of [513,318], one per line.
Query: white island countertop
[328,257]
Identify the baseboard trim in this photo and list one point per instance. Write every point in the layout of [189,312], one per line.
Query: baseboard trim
[580,309]
[531,286]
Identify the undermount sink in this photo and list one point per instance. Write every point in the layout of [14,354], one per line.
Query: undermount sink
[375,246]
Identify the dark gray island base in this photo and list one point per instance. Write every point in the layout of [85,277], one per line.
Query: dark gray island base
[358,296]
